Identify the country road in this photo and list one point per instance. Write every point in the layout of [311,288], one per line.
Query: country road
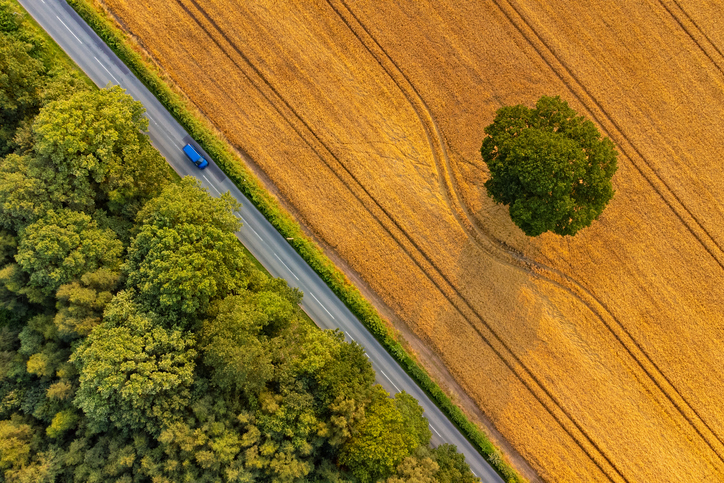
[257,234]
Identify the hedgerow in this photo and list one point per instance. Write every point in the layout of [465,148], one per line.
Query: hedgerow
[233,166]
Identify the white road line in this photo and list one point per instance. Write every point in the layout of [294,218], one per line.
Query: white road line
[168,137]
[320,303]
[350,337]
[431,427]
[69,30]
[367,355]
[290,270]
[207,180]
[109,72]
[152,120]
[247,224]
[474,474]
[398,389]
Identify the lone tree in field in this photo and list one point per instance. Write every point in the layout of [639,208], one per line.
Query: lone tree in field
[549,165]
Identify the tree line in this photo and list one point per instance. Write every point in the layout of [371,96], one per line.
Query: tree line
[137,340]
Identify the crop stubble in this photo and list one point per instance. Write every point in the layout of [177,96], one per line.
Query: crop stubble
[596,357]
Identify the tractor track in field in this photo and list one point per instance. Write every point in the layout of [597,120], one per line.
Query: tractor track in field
[457,300]
[494,247]
[534,268]
[612,129]
[682,18]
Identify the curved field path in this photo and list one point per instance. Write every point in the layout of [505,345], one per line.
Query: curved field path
[598,358]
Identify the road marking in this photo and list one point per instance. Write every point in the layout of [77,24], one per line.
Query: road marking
[367,355]
[207,180]
[474,474]
[431,427]
[320,303]
[383,373]
[152,120]
[109,72]
[168,137]
[350,337]
[247,224]
[290,270]
[69,30]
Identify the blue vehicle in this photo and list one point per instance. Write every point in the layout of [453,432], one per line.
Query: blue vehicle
[195,157]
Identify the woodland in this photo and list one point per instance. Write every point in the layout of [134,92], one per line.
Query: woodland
[138,341]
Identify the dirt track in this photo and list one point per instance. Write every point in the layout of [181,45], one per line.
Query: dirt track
[598,357]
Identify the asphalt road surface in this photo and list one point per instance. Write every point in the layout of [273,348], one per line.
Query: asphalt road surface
[257,234]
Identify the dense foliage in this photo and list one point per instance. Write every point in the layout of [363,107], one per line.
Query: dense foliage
[230,162]
[137,341]
[549,165]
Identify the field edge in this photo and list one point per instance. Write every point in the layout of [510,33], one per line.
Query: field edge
[233,166]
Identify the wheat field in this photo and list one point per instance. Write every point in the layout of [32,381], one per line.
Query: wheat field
[592,358]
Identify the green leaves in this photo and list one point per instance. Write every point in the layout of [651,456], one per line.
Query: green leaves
[550,167]
[235,348]
[94,141]
[64,245]
[21,79]
[185,253]
[383,439]
[134,374]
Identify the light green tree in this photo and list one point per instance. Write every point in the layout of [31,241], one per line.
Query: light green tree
[80,304]
[94,142]
[415,470]
[25,198]
[185,254]
[452,465]
[21,80]
[64,245]
[134,374]
[15,436]
[381,442]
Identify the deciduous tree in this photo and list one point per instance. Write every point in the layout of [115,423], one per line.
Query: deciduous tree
[95,142]
[185,254]
[64,245]
[550,166]
[21,81]
[80,304]
[134,373]
[381,441]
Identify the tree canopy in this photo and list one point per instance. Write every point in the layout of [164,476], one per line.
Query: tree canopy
[64,245]
[138,342]
[549,165]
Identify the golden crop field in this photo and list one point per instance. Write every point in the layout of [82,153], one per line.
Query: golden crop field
[593,358]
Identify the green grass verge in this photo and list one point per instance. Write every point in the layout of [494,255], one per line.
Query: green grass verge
[235,169]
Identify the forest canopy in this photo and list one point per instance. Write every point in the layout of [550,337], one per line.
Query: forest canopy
[137,340]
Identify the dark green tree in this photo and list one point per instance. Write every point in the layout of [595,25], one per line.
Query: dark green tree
[549,165]
[236,348]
